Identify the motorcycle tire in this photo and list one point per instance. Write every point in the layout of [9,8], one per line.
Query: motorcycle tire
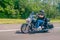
[50,26]
[25,28]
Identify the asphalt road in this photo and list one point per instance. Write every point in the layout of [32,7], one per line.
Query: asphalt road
[12,32]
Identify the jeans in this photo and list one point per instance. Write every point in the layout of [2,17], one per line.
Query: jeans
[39,23]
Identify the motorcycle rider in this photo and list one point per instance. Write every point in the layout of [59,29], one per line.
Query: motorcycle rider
[41,20]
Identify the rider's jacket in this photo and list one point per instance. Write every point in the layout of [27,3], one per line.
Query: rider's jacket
[40,18]
[44,19]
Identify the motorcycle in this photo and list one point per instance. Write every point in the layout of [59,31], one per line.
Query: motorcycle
[29,26]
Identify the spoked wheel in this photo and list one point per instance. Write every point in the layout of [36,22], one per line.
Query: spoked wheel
[25,28]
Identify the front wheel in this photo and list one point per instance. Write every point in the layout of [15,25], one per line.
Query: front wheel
[25,28]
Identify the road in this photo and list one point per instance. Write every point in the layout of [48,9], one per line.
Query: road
[12,32]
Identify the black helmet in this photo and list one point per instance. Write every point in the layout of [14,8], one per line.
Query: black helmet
[41,14]
[42,11]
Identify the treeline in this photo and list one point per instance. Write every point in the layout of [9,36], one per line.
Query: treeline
[22,8]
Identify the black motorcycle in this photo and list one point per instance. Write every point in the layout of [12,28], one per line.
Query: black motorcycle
[29,26]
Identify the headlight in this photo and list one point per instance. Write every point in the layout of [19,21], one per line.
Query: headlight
[28,20]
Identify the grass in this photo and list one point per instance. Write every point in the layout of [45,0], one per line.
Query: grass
[55,20]
[19,21]
[12,21]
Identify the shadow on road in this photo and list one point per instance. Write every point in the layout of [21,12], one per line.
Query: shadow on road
[19,32]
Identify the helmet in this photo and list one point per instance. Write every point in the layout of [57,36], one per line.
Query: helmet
[42,11]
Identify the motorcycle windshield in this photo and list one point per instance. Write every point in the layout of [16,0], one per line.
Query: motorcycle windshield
[31,15]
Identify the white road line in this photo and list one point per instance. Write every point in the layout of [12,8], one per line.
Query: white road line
[18,29]
[56,27]
[8,30]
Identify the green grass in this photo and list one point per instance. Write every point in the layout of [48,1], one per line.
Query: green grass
[55,20]
[19,21]
[12,21]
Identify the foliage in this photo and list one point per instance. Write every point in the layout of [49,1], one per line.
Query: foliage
[22,8]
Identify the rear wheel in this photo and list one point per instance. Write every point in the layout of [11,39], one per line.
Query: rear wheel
[50,26]
[44,29]
[25,28]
